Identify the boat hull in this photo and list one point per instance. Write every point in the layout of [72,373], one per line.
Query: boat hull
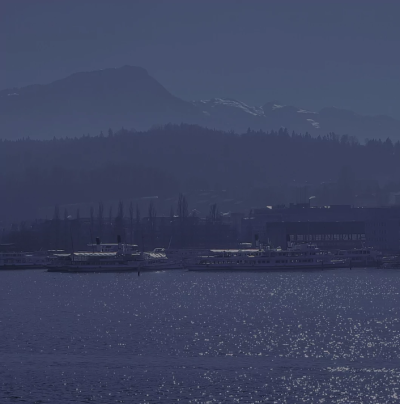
[20,267]
[86,269]
[108,269]
[364,264]
[162,267]
[272,268]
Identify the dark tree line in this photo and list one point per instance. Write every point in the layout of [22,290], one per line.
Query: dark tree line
[253,167]
[73,233]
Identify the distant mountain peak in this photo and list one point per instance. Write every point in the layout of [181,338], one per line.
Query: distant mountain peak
[127,96]
[127,69]
[112,73]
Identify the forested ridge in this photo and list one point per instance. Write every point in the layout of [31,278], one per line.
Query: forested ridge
[181,158]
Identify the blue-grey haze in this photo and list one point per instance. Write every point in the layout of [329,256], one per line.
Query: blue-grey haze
[309,53]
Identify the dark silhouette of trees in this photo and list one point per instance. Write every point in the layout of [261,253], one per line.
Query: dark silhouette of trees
[100,220]
[152,214]
[182,210]
[77,233]
[119,221]
[213,215]
[92,224]
[56,227]
[131,222]
[66,230]
[182,213]
[110,223]
[138,233]
[255,167]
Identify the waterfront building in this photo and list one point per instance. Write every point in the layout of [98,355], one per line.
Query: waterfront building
[336,226]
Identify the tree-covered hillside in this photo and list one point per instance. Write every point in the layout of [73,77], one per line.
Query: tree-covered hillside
[254,168]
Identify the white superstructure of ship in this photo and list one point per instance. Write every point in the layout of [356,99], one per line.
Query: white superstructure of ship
[111,257]
[302,256]
[184,255]
[360,257]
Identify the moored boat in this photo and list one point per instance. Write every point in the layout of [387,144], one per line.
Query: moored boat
[92,262]
[23,260]
[297,257]
[360,257]
[112,258]
[186,256]
[157,261]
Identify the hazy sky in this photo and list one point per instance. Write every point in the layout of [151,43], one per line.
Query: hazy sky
[308,53]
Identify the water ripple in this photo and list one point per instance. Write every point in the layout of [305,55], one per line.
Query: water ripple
[320,337]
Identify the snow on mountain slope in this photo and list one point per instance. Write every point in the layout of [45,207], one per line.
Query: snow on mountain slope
[230,103]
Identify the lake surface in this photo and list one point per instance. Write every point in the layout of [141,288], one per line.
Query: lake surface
[307,337]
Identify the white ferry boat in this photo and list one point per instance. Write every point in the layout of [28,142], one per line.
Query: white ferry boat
[157,261]
[113,247]
[184,255]
[111,258]
[303,256]
[92,262]
[391,262]
[111,262]
[23,260]
[360,257]
[101,258]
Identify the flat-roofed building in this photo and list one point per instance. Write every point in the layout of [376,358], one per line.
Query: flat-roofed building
[337,225]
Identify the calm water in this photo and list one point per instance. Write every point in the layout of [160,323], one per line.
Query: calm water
[317,337]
